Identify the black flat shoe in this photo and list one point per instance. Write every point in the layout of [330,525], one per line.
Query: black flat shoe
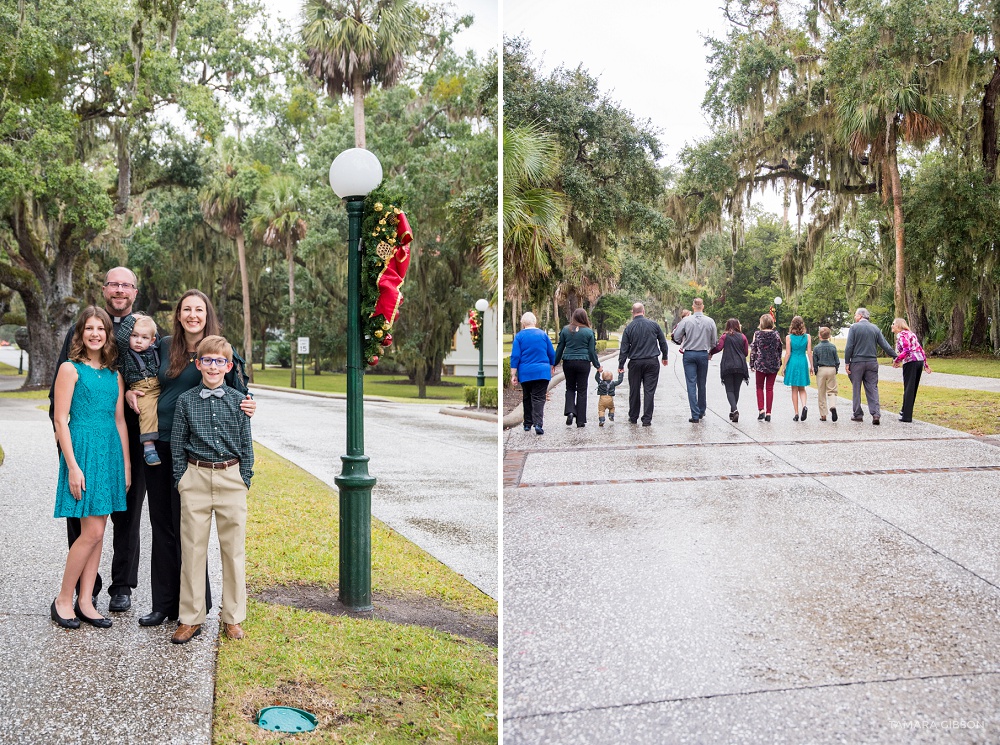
[804,412]
[767,417]
[760,416]
[569,419]
[100,623]
[66,623]
[155,618]
[119,603]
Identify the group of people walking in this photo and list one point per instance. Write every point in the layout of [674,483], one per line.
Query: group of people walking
[644,348]
[171,418]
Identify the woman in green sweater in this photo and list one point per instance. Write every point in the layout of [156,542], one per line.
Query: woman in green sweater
[578,351]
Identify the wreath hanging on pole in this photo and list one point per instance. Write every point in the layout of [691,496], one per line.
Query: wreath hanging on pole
[475,327]
[385,257]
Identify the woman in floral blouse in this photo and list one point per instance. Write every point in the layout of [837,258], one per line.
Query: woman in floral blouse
[765,359]
[912,357]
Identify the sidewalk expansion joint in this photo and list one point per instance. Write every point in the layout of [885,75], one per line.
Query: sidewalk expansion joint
[759,692]
[746,476]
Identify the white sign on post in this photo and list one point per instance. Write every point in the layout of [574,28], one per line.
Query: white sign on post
[303,345]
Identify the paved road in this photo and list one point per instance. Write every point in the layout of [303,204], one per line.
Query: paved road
[119,685]
[436,474]
[785,582]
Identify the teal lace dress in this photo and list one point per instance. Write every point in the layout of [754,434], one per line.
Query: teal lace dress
[96,446]
[797,368]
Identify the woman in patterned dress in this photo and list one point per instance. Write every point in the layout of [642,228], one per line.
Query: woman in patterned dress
[94,470]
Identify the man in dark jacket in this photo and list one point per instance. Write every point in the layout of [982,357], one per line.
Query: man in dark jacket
[864,339]
[642,342]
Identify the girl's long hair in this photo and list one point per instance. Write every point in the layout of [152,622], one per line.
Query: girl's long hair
[580,318]
[109,352]
[798,326]
[733,326]
[179,358]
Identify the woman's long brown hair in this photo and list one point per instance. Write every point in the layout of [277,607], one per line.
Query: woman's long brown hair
[109,352]
[580,318]
[179,358]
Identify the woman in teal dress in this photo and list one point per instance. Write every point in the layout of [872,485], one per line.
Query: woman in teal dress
[798,361]
[93,460]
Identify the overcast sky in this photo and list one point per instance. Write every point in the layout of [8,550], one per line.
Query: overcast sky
[481,37]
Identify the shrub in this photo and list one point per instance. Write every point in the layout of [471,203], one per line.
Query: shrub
[488,399]
[602,346]
[506,372]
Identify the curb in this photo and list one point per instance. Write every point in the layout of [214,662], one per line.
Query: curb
[516,416]
[455,411]
[314,394]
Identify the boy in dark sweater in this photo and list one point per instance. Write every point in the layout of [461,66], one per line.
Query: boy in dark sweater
[826,364]
[606,392]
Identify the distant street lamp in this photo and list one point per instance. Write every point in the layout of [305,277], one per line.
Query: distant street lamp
[777,307]
[353,174]
[481,305]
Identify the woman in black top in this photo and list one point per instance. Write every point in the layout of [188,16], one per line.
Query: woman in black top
[194,319]
[578,350]
[734,347]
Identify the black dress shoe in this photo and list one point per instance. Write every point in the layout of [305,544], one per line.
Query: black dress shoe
[101,623]
[155,618]
[569,419]
[66,623]
[119,603]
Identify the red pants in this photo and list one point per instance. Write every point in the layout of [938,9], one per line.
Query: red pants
[765,383]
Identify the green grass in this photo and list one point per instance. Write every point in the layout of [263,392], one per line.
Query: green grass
[6,369]
[366,681]
[975,412]
[983,366]
[39,394]
[375,385]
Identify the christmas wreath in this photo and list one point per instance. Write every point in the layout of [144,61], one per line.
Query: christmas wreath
[385,257]
[475,327]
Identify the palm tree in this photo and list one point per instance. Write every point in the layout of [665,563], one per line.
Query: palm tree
[224,201]
[279,219]
[533,214]
[355,44]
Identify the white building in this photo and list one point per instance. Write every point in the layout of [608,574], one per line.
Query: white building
[464,358]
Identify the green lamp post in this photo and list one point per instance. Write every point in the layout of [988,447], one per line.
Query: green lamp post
[481,305]
[777,308]
[353,174]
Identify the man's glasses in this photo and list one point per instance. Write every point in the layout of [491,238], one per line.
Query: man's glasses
[209,361]
[119,285]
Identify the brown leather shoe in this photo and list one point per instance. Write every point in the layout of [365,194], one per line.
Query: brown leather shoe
[233,630]
[185,633]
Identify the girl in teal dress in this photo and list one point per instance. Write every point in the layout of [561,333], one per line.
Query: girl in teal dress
[93,460]
[798,361]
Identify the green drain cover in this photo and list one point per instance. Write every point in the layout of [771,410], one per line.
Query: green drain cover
[285,719]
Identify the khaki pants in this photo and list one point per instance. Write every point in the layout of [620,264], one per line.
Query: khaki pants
[204,491]
[826,385]
[605,403]
[149,423]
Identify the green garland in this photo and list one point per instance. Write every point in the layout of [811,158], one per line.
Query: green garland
[378,224]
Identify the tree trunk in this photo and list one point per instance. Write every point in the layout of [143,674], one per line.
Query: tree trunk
[241,252]
[359,111]
[989,122]
[892,165]
[555,312]
[293,343]
[980,326]
[956,332]
[917,311]
[421,378]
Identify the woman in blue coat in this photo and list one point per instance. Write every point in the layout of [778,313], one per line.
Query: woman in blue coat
[531,359]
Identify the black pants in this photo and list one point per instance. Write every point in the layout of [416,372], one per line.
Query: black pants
[577,374]
[165,521]
[733,381]
[125,539]
[533,401]
[643,376]
[911,381]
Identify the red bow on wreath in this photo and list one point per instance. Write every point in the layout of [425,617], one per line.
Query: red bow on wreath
[390,279]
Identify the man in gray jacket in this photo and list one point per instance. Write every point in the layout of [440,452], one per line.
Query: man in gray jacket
[642,342]
[695,335]
[861,364]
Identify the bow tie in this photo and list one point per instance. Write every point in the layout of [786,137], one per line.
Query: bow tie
[217,392]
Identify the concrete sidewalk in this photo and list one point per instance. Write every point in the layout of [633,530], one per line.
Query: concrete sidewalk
[792,582]
[126,684]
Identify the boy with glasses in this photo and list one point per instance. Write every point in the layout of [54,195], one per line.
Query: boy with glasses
[212,467]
